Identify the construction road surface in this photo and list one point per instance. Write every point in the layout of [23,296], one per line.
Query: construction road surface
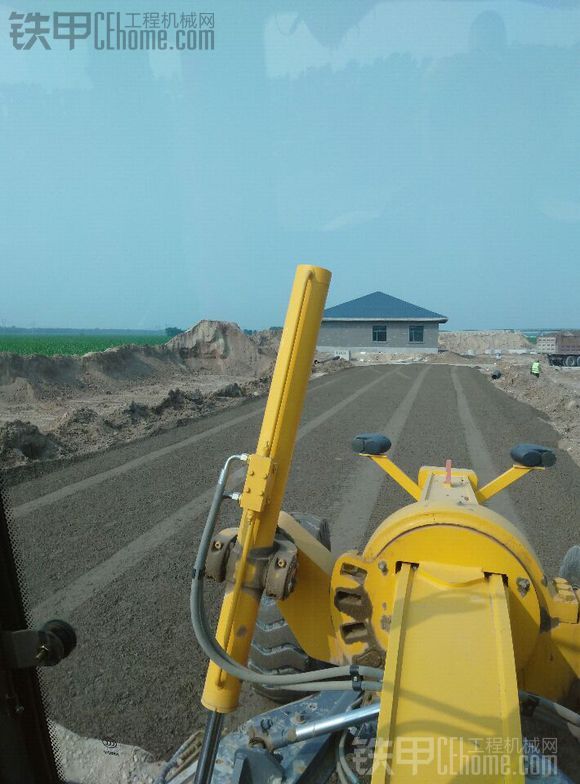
[108,543]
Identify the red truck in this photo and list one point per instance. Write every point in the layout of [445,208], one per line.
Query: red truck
[562,348]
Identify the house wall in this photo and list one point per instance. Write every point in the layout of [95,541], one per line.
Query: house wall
[358,336]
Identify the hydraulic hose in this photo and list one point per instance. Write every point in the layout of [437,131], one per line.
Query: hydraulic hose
[216,652]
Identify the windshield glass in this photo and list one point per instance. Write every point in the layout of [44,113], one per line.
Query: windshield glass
[164,171]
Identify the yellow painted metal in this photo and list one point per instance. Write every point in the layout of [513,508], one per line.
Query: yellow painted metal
[449,705]
[399,476]
[307,607]
[502,481]
[426,472]
[258,485]
[554,664]
[435,488]
[483,494]
[276,444]
[450,527]
[434,539]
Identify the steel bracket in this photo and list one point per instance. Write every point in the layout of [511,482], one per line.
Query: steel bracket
[271,570]
[258,485]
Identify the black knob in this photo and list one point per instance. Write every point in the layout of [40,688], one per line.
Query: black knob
[533,456]
[371,444]
[59,640]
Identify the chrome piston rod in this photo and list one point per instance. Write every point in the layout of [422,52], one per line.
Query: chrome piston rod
[312,729]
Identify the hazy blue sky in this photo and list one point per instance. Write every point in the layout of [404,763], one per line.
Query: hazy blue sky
[427,149]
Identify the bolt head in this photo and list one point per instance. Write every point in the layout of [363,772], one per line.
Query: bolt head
[523,585]
[281,563]
[383,567]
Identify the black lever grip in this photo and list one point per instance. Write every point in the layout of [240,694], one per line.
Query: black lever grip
[371,444]
[533,456]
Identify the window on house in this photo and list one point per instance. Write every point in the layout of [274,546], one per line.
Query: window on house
[379,333]
[416,334]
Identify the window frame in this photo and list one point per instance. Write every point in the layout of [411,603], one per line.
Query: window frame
[379,327]
[417,326]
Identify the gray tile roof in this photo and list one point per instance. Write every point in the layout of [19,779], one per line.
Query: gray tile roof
[381,306]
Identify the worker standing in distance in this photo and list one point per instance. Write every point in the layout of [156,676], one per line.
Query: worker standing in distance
[535,369]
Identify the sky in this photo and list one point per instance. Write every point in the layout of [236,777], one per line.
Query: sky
[429,149]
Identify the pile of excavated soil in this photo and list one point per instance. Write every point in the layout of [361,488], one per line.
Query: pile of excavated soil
[222,347]
[85,429]
[61,406]
[268,339]
[484,342]
[55,408]
[36,377]
[22,442]
[210,347]
[451,358]
[556,393]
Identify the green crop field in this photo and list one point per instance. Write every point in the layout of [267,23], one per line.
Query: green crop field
[49,345]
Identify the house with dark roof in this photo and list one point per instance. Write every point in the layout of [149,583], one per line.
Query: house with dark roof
[379,323]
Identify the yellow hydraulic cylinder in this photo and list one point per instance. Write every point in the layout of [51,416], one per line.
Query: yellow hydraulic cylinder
[267,474]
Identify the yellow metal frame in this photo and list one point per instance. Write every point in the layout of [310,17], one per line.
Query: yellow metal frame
[504,480]
[483,494]
[511,628]
[398,475]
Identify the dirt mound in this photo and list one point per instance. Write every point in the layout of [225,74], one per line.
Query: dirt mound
[484,342]
[383,357]
[129,363]
[84,430]
[215,347]
[30,374]
[556,393]
[268,338]
[21,442]
[177,400]
[222,347]
[23,378]
[83,404]
[448,358]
